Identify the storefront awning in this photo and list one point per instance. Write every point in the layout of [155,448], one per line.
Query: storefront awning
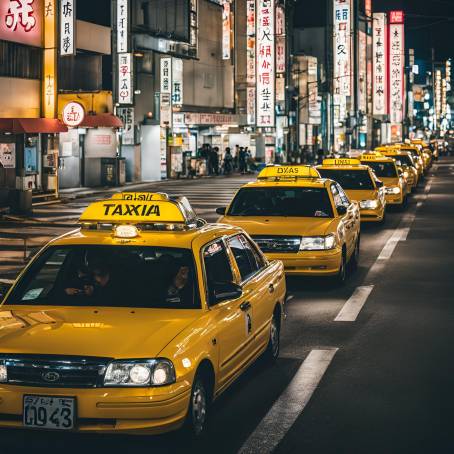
[31,125]
[105,120]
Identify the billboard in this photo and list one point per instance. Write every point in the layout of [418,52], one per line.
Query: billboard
[342,48]
[380,64]
[396,67]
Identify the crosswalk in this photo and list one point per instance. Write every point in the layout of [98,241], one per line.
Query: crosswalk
[22,237]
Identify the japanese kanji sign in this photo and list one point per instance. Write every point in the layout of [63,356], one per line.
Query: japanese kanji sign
[21,21]
[122,25]
[380,80]
[127,117]
[67,27]
[166,92]
[280,40]
[250,31]
[266,73]
[73,114]
[226,30]
[342,47]
[177,82]
[125,85]
[396,71]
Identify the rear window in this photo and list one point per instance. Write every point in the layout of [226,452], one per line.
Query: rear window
[110,276]
[404,160]
[383,169]
[282,201]
[349,179]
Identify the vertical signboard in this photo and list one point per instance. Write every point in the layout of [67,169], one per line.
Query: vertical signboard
[342,47]
[250,30]
[396,66]
[122,25]
[266,73]
[177,82]
[125,85]
[166,92]
[226,30]
[250,105]
[380,80]
[438,93]
[362,71]
[280,40]
[67,27]
[49,85]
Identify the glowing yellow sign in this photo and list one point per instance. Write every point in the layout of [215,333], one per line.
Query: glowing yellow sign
[288,172]
[50,60]
[341,162]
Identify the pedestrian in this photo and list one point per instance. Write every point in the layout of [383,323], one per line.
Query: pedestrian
[242,160]
[215,160]
[228,161]
[236,157]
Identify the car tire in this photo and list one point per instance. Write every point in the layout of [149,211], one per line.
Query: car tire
[199,403]
[341,276]
[274,343]
[354,261]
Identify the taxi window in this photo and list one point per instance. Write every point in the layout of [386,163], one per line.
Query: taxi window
[349,179]
[282,201]
[244,255]
[383,169]
[110,276]
[404,160]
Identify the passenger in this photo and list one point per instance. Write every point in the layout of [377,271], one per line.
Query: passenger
[103,286]
[77,285]
[180,289]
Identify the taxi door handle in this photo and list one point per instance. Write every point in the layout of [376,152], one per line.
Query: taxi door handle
[245,306]
[271,288]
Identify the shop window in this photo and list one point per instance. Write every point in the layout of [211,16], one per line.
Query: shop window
[17,60]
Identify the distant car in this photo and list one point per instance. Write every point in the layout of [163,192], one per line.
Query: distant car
[135,322]
[295,216]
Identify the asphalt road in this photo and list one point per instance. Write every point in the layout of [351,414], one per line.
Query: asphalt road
[365,368]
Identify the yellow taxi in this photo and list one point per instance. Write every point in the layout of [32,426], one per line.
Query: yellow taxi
[386,170]
[137,321]
[427,154]
[417,156]
[360,184]
[405,164]
[295,216]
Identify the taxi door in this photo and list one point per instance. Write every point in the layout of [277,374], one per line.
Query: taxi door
[350,219]
[232,317]
[261,283]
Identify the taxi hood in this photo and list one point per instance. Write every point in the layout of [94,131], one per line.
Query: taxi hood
[277,225]
[109,332]
[361,194]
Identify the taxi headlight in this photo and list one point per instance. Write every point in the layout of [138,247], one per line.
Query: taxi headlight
[3,372]
[155,372]
[394,190]
[318,243]
[368,204]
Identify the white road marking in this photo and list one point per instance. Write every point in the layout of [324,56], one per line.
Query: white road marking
[282,415]
[352,308]
[391,244]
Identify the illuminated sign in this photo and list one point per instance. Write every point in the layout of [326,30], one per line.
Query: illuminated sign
[250,105]
[21,21]
[368,7]
[125,86]
[396,17]
[166,91]
[127,117]
[67,27]
[342,47]
[266,73]
[226,30]
[177,82]
[280,40]
[49,83]
[396,72]
[250,31]
[73,114]
[362,71]
[380,80]
[122,25]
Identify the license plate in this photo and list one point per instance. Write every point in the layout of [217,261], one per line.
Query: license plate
[49,412]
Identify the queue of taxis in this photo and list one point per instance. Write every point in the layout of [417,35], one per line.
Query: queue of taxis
[135,322]
[360,184]
[295,216]
[427,154]
[385,168]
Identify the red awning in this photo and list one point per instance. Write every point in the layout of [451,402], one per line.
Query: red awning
[31,125]
[105,120]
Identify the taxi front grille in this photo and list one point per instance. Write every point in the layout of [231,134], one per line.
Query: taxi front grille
[55,371]
[286,244]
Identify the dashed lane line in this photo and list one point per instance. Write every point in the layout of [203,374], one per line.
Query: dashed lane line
[282,415]
[352,308]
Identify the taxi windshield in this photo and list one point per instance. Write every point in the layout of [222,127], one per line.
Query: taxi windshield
[110,276]
[349,179]
[403,160]
[383,169]
[282,201]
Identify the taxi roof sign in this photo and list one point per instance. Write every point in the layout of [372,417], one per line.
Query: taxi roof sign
[139,208]
[373,156]
[288,172]
[340,162]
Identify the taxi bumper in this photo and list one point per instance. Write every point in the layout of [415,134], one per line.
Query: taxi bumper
[394,199]
[373,215]
[311,263]
[146,411]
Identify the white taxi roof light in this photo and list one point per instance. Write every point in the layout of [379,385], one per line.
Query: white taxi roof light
[126,231]
[286,172]
[140,196]
[341,162]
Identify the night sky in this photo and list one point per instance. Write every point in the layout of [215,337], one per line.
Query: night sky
[430,23]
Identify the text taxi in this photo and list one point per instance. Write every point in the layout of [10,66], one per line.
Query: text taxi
[295,216]
[396,189]
[360,184]
[135,322]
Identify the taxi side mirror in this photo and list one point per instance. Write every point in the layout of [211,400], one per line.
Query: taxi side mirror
[341,210]
[379,184]
[224,291]
[221,210]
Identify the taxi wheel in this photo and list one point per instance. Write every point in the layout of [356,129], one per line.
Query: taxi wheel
[198,407]
[355,257]
[272,351]
[341,276]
